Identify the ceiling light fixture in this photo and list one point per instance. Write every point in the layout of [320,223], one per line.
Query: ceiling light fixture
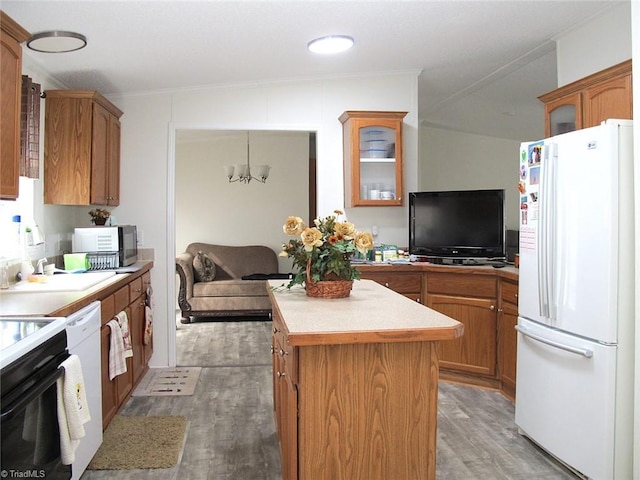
[56,41]
[330,44]
[242,173]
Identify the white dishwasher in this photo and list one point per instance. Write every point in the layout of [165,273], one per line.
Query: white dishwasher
[83,340]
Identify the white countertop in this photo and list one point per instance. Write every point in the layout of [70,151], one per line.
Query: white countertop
[371,312]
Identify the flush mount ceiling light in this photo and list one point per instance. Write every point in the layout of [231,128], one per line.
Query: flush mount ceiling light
[56,41]
[330,44]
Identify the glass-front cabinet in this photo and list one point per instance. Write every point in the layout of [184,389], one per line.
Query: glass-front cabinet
[372,158]
[563,115]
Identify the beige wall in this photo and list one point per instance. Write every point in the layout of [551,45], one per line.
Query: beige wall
[460,161]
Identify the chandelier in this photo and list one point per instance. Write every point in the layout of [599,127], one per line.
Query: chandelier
[242,172]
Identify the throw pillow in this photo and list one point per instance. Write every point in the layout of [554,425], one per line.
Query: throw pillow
[204,268]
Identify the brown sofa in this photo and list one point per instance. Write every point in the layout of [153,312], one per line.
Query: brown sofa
[238,287]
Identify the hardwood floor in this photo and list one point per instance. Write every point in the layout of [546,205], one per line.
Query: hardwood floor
[231,434]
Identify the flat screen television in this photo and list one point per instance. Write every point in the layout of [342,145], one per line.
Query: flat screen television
[464,224]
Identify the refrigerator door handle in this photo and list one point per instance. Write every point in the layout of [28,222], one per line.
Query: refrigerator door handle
[546,232]
[585,352]
[543,286]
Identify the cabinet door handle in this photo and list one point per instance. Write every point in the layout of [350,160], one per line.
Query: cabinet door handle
[492,307]
[280,374]
[386,284]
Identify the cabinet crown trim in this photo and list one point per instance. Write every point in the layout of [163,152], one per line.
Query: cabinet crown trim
[12,28]
[371,114]
[90,94]
[619,70]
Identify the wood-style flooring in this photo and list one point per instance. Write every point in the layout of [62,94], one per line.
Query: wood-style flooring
[231,434]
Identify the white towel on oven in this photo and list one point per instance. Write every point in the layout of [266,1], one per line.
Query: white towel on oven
[73,408]
[117,360]
[123,321]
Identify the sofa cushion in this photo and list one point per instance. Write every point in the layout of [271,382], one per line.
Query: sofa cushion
[230,288]
[204,268]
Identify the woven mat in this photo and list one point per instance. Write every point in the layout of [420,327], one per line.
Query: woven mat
[140,443]
[168,382]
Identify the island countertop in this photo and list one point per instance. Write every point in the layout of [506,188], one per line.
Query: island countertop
[371,314]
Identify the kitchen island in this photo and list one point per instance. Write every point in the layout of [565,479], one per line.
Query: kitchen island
[356,383]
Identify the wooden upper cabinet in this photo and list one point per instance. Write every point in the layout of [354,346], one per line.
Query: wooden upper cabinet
[372,158]
[589,101]
[11,36]
[82,149]
[609,99]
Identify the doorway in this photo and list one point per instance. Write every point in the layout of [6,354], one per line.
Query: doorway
[210,209]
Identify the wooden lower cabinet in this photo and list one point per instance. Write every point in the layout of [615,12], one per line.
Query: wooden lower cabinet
[109,388]
[475,351]
[131,299]
[470,299]
[479,297]
[507,337]
[285,402]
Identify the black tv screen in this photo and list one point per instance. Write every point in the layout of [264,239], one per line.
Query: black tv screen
[457,224]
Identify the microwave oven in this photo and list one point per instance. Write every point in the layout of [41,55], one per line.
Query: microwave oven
[120,243]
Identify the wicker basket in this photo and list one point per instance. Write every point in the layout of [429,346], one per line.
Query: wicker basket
[327,288]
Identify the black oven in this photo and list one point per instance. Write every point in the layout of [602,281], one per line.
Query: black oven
[30,446]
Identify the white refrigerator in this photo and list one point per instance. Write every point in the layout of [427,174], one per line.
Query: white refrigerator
[575,327]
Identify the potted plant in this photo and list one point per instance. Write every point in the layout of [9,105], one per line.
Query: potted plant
[99,216]
[323,254]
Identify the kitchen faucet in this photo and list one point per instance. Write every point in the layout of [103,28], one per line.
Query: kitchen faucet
[39,266]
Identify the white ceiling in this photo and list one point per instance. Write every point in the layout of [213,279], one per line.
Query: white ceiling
[482,63]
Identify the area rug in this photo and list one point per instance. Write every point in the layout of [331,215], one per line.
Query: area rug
[132,442]
[168,382]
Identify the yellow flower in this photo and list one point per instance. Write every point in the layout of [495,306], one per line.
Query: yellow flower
[311,237]
[347,229]
[294,226]
[363,242]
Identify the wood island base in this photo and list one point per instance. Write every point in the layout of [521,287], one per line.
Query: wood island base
[356,384]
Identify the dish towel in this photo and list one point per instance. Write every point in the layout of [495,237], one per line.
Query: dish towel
[73,409]
[123,321]
[117,360]
[148,317]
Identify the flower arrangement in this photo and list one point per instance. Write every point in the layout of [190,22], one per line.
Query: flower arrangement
[99,216]
[326,247]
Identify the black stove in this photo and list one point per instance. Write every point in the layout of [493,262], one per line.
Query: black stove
[31,352]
